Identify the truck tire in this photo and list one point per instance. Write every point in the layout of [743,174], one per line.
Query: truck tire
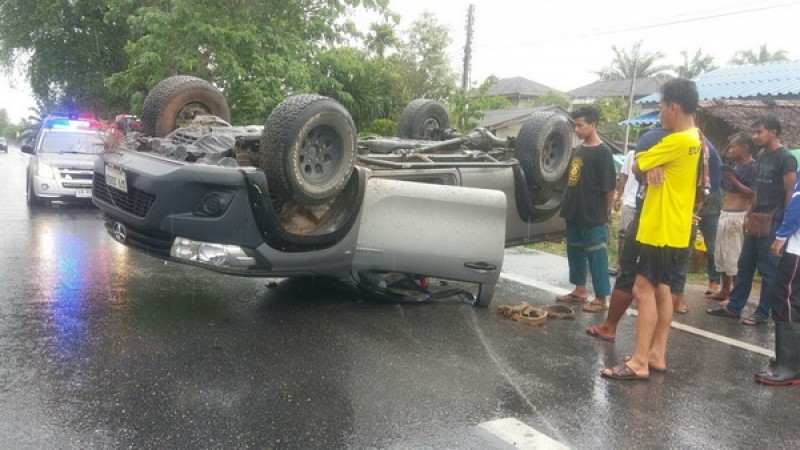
[543,148]
[308,149]
[420,118]
[177,100]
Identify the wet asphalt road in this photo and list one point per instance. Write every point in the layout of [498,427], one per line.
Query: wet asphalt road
[102,347]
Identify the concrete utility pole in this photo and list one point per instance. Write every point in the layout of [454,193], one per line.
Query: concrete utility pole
[630,106]
[468,49]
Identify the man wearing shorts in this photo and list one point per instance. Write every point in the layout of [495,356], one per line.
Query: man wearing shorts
[665,225]
[738,182]
[625,202]
[622,296]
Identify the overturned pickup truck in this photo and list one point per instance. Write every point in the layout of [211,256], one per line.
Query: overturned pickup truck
[302,196]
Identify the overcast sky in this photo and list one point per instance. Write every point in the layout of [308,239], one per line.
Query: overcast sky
[561,43]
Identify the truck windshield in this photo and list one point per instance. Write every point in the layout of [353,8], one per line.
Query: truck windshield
[73,142]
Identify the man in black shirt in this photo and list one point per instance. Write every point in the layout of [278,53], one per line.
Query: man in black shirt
[775,177]
[586,206]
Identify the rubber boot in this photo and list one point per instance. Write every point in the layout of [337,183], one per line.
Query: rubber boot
[786,370]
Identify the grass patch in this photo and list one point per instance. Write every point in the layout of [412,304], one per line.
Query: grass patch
[559,248]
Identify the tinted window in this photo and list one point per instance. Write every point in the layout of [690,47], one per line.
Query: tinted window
[72,142]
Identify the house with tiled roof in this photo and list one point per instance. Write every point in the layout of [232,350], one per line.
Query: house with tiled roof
[731,98]
[642,87]
[505,123]
[518,90]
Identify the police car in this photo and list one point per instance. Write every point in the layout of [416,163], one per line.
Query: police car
[62,158]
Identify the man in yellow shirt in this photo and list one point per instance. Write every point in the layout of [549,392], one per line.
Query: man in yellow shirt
[670,168]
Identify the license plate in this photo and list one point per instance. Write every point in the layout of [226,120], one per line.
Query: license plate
[115,177]
[83,193]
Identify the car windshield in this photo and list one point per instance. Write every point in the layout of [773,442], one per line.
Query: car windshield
[73,142]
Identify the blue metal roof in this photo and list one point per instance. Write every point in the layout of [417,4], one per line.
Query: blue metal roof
[740,82]
[650,118]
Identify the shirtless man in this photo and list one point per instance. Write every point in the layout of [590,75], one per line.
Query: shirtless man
[737,184]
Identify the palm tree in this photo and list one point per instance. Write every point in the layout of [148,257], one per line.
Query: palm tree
[380,38]
[632,64]
[751,57]
[33,123]
[698,64]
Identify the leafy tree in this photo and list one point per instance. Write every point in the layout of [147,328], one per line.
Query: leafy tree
[695,66]
[381,37]
[70,46]
[762,55]
[466,109]
[627,63]
[5,123]
[423,62]
[255,52]
[360,84]
[552,97]
[613,111]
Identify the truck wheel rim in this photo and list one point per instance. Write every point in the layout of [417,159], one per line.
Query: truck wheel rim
[320,155]
[427,127]
[550,152]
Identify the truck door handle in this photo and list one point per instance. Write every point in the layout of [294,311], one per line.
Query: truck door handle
[480,266]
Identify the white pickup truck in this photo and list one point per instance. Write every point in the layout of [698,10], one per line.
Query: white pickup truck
[303,196]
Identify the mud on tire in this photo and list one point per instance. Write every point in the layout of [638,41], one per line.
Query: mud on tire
[177,100]
[544,148]
[420,118]
[308,149]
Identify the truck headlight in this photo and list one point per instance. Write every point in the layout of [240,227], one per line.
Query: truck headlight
[210,253]
[45,170]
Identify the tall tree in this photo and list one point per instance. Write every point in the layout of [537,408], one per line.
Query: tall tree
[358,82]
[628,62]
[381,37]
[762,55]
[70,47]
[256,52]
[698,64]
[424,61]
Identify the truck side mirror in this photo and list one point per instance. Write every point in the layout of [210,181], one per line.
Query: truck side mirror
[27,148]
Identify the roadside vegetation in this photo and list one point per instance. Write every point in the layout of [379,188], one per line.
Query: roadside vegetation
[104,56]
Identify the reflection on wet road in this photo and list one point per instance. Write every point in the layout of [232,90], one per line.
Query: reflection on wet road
[105,347]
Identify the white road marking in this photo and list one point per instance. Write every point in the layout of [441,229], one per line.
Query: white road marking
[520,435]
[533,283]
[716,337]
[677,325]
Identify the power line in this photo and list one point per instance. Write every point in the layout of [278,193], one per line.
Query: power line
[669,22]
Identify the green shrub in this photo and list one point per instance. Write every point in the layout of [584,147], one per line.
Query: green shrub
[382,127]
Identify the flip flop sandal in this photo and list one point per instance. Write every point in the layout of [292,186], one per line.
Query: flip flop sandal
[722,312]
[754,320]
[624,373]
[571,298]
[595,306]
[682,311]
[559,312]
[592,331]
[524,313]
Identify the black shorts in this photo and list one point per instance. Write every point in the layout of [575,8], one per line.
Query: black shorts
[628,258]
[662,265]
